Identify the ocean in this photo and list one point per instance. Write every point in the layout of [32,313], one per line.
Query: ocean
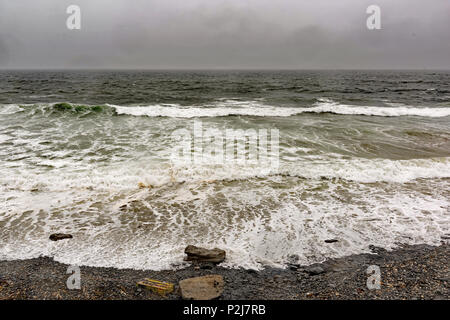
[362,157]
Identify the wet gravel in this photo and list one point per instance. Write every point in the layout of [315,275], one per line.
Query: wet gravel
[410,272]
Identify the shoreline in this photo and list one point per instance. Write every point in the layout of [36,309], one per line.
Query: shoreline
[409,272]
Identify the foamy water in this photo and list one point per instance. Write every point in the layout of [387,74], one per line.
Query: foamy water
[363,168]
[254,108]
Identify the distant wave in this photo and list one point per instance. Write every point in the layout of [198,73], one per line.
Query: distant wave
[226,108]
[50,108]
[247,108]
[257,109]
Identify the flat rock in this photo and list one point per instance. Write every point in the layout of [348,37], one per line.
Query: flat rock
[204,255]
[314,270]
[202,288]
[60,236]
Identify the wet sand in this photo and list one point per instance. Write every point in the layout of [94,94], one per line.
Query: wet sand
[410,272]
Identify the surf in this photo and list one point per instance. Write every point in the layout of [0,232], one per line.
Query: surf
[228,108]
[258,109]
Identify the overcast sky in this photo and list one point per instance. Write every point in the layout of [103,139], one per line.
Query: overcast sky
[205,34]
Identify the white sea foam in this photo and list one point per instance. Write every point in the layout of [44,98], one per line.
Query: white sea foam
[256,222]
[257,108]
[10,109]
[259,225]
[223,109]
[333,107]
[372,170]
[125,176]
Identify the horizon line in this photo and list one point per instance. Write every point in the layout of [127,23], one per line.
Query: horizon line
[224,69]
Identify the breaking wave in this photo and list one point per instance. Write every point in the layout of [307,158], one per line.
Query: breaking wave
[257,109]
[224,108]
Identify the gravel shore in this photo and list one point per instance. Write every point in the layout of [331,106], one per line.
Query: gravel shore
[410,272]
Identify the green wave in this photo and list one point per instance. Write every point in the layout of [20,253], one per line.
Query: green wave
[64,106]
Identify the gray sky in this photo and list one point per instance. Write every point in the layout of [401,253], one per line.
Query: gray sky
[205,34]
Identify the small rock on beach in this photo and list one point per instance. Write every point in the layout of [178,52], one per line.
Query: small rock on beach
[60,236]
